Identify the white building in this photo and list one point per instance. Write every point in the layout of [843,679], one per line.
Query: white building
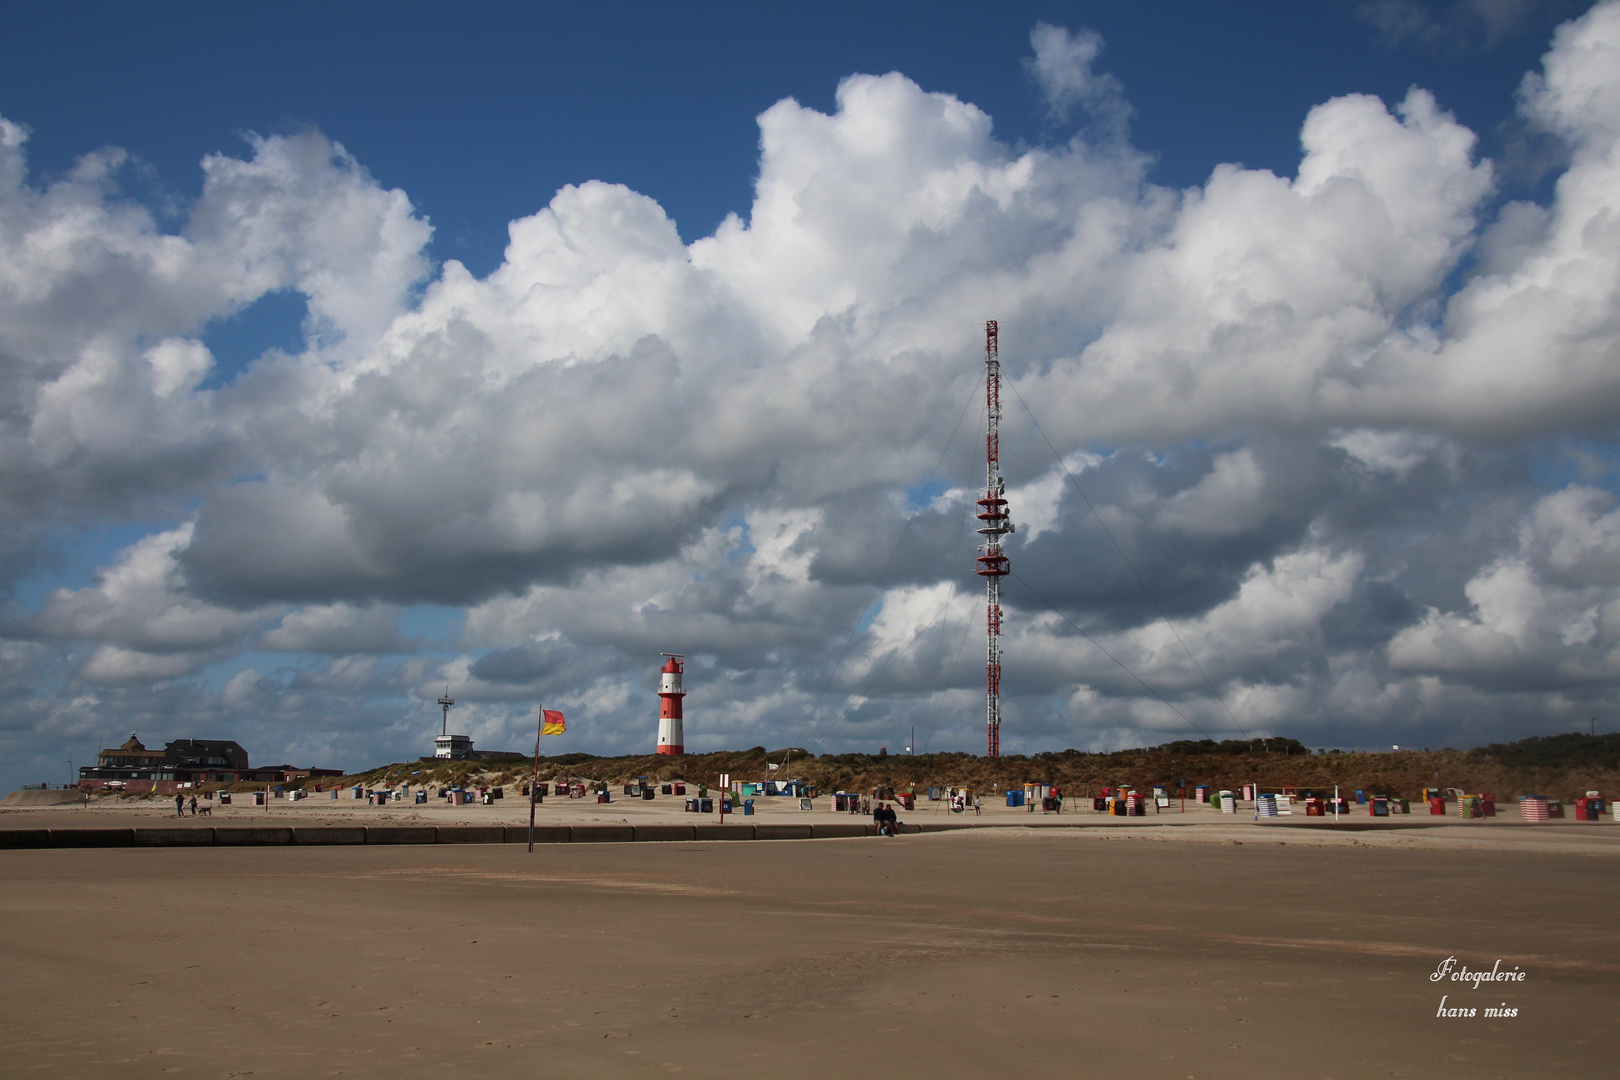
[456,747]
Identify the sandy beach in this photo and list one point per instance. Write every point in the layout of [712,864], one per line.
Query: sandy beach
[1221,949]
[348,811]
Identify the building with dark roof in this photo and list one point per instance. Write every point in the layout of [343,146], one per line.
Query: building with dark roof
[206,753]
[183,763]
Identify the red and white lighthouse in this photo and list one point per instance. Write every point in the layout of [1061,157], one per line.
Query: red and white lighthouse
[671,738]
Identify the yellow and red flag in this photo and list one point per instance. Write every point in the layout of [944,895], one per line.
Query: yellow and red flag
[552,722]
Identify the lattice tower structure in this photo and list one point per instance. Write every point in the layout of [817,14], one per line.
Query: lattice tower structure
[992,563]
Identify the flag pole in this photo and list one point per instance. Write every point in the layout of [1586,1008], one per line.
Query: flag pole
[534,782]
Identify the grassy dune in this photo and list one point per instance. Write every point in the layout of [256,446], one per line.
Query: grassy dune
[1561,766]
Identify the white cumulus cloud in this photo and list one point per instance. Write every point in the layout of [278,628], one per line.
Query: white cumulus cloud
[1311,409]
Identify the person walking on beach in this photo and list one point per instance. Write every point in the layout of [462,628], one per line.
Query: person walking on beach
[194,806]
[978,806]
[179,805]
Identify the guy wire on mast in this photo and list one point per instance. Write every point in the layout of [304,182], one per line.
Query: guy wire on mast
[992,563]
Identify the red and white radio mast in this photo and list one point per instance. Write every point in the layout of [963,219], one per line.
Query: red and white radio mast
[991,562]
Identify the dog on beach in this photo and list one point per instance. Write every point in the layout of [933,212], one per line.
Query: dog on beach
[205,810]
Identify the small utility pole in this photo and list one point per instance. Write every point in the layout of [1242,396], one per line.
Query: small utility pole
[534,782]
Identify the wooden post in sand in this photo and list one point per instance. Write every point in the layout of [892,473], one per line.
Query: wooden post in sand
[534,782]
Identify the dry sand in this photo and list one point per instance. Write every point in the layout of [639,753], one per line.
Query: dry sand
[1217,949]
[321,810]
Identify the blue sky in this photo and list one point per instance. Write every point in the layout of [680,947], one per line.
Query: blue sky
[278,466]
[480,111]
